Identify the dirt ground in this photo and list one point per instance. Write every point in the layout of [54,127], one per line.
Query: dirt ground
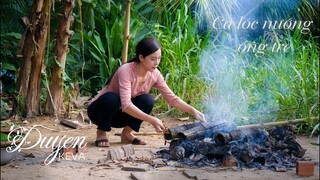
[29,164]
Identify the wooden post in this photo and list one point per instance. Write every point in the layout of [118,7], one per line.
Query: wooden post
[126,33]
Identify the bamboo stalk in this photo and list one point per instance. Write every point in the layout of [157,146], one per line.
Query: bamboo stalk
[143,133]
[126,33]
[276,123]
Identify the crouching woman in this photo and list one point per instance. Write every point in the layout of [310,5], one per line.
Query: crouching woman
[125,101]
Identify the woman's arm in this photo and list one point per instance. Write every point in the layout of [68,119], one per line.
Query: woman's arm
[183,106]
[175,101]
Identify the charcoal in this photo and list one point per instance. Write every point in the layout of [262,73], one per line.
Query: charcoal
[282,138]
[177,153]
[260,159]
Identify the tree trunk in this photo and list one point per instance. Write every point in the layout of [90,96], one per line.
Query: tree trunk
[33,45]
[54,106]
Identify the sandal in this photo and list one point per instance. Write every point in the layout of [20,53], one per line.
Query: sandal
[135,141]
[102,143]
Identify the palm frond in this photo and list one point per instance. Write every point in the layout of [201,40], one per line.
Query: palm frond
[11,12]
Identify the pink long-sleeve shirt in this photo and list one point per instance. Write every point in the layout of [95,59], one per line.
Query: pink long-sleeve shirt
[125,84]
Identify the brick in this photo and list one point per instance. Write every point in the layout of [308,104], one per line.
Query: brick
[83,149]
[67,152]
[305,168]
[117,153]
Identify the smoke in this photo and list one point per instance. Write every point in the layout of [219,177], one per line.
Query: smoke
[224,68]
[225,101]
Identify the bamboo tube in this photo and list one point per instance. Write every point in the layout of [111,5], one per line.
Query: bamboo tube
[173,131]
[201,130]
[126,33]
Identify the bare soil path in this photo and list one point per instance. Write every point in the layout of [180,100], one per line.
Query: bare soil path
[30,163]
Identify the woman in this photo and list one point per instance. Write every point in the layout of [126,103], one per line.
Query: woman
[125,101]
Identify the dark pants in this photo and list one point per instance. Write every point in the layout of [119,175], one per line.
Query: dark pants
[105,112]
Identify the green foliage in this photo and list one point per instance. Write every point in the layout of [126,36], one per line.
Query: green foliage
[15,134]
[286,84]
[4,137]
[315,130]
[181,47]
[103,44]
[4,108]
[103,38]
[276,85]
[310,128]
[9,62]
[277,9]
[11,12]
[9,46]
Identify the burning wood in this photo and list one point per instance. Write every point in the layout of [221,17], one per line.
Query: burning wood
[209,144]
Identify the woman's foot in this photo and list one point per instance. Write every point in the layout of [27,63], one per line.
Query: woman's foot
[102,139]
[128,137]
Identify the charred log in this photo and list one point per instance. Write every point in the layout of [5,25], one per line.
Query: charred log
[196,130]
[172,132]
[225,138]
[252,134]
[208,149]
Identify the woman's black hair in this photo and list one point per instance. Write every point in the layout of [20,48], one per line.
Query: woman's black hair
[145,47]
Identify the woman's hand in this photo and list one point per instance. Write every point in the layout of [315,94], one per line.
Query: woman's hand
[137,113]
[199,115]
[181,105]
[157,124]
